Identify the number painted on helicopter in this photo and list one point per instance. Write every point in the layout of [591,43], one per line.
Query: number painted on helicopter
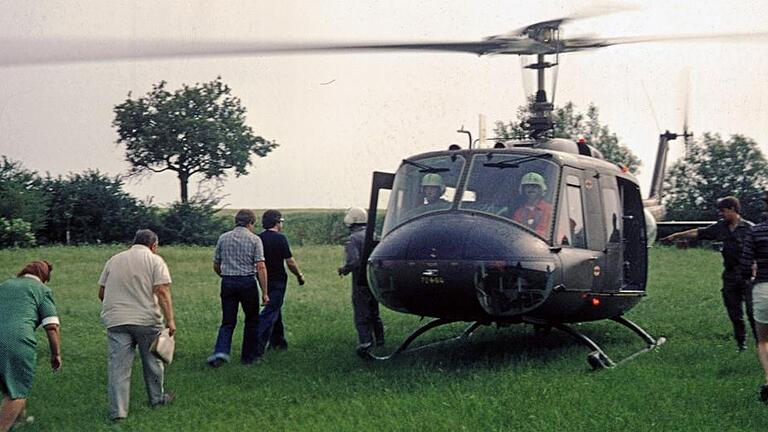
[432,280]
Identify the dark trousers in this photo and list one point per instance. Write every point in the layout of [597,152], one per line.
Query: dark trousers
[366,314]
[735,293]
[271,329]
[235,291]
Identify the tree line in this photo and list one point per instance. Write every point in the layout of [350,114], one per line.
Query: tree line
[89,208]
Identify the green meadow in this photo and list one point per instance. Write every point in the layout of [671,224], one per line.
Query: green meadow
[503,379]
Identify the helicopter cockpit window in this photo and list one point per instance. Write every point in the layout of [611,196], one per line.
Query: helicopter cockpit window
[513,186]
[423,186]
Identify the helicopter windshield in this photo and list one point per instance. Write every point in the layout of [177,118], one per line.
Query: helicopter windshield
[423,186]
[516,187]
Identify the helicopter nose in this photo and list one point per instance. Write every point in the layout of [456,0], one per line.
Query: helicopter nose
[460,236]
[445,265]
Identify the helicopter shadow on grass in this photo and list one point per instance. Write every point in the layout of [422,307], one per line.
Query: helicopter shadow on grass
[494,347]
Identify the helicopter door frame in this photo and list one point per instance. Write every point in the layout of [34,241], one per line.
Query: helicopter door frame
[381,180]
[634,236]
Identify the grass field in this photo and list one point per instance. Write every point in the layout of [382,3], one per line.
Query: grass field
[502,380]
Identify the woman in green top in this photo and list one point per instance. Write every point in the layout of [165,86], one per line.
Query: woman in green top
[26,304]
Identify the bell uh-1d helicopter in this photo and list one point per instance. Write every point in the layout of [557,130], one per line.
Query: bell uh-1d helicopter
[542,231]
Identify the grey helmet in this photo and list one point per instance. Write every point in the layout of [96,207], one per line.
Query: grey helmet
[355,215]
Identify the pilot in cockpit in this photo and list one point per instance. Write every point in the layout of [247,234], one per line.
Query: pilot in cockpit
[433,188]
[532,208]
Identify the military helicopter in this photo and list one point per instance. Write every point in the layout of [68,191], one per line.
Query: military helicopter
[541,231]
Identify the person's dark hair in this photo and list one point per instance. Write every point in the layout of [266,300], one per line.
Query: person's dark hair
[145,237]
[41,268]
[245,217]
[729,202]
[270,218]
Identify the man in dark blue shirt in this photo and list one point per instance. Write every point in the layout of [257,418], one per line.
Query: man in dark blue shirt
[730,230]
[276,251]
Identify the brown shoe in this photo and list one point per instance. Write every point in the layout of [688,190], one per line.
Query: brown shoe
[167,398]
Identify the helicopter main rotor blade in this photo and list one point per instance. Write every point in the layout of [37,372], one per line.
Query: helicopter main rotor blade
[585,43]
[27,52]
[18,52]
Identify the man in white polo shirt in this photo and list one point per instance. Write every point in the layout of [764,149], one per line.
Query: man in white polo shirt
[135,290]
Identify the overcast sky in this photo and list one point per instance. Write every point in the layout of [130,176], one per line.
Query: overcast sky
[379,108]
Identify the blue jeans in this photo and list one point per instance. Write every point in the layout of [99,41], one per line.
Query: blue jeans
[238,290]
[270,320]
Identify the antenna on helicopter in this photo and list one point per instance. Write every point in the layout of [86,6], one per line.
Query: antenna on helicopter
[469,135]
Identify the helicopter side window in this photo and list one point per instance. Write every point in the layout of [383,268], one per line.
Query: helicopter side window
[612,209]
[571,231]
[518,187]
[422,186]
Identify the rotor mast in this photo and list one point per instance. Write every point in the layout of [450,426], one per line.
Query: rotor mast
[541,119]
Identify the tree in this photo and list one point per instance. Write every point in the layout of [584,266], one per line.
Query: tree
[568,123]
[714,169]
[198,129]
[21,196]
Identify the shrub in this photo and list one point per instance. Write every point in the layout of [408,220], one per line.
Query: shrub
[21,196]
[16,233]
[92,208]
[319,227]
[191,223]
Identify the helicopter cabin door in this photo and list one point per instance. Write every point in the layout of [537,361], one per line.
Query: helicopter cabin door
[581,263]
[595,228]
[613,271]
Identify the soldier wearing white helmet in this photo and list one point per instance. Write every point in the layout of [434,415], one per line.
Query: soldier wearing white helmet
[368,323]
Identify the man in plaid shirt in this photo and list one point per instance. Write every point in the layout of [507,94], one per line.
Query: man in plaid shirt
[238,258]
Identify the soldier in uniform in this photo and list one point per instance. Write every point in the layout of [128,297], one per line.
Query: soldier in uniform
[369,327]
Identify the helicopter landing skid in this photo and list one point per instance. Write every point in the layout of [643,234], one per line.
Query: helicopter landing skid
[598,359]
[403,348]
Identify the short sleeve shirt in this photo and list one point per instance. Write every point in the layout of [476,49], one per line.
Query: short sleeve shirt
[732,240]
[26,304]
[129,279]
[238,251]
[276,251]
